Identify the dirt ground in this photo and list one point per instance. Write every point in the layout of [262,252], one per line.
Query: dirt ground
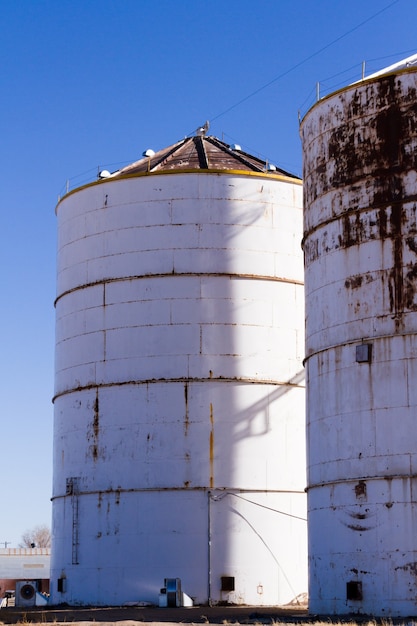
[130,615]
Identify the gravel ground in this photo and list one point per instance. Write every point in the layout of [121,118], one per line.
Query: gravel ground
[130,615]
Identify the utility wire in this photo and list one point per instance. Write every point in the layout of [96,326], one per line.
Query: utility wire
[303,519]
[311,56]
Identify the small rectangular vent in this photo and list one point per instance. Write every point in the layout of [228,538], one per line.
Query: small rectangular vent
[354,590]
[228,583]
[364,353]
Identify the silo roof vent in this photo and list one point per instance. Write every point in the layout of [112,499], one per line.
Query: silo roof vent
[203,130]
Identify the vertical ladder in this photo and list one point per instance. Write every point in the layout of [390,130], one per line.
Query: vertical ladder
[72,490]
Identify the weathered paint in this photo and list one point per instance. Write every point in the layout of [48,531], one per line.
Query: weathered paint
[211,446]
[179,403]
[360,233]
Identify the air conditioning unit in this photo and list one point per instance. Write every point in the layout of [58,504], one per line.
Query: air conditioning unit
[173,591]
[26,591]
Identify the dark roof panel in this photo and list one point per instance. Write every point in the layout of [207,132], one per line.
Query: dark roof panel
[200,152]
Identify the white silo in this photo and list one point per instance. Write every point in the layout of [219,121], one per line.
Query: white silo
[360,245]
[179,400]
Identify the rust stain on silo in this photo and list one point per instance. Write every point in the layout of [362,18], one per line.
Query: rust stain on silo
[382,222]
[362,164]
[410,567]
[96,426]
[360,489]
[211,447]
[96,416]
[410,287]
[187,419]
[94,429]
[397,305]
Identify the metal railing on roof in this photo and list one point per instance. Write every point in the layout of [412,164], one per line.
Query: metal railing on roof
[354,74]
[89,176]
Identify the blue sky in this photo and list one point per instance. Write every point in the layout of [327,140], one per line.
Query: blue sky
[94,83]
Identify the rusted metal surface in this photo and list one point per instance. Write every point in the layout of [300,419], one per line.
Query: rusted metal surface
[200,153]
[360,229]
[211,447]
[360,161]
[179,397]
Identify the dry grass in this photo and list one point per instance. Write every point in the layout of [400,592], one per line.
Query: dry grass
[42,620]
[360,622]
[274,622]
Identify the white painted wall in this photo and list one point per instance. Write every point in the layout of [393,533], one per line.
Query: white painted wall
[179,400]
[360,225]
[24,563]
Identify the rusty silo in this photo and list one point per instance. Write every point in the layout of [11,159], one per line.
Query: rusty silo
[360,246]
[179,400]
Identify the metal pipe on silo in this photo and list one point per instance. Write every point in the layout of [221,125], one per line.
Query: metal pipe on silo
[360,248]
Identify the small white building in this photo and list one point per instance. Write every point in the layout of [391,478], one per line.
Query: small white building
[17,564]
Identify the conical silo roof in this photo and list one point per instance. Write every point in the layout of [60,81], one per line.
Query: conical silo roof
[200,153]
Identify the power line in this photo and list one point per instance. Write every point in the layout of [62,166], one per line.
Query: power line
[303,519]
[297,65]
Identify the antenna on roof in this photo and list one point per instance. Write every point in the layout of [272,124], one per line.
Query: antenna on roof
[202,130]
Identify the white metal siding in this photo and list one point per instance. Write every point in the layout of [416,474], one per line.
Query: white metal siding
[179,398]
[360,226]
